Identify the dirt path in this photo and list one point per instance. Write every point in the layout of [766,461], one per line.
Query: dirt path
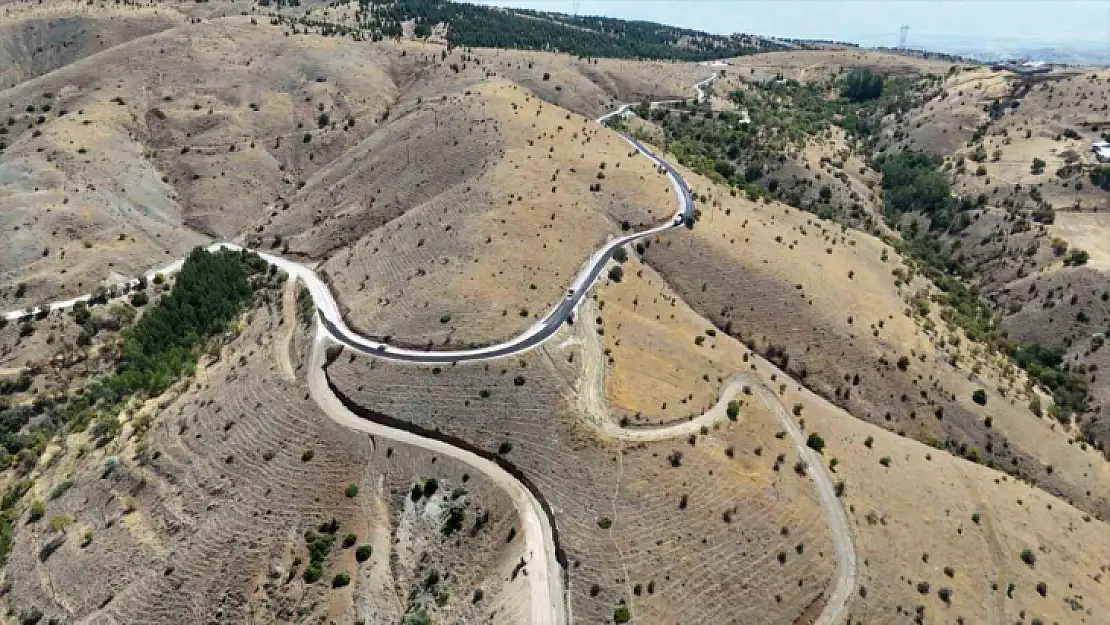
[544,573]
[284,343]
[590,400]
[846,566]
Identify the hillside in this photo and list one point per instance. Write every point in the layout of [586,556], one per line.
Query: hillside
[471,25]
[857,380]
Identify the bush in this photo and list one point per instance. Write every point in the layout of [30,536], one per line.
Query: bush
[38,510]
[622,614]
[1076,258]
[307,455]
[139,299]
[1038,167]
[616,273]
[815,442]
[351,490]
[733,410]
[340,580]
[869,442]
[979,397]
[313,573]
[945,594]
[885,461]
[1028,557]
[363,553]
[903,363]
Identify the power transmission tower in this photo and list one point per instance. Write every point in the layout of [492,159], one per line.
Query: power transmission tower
[903,32]
[575,4]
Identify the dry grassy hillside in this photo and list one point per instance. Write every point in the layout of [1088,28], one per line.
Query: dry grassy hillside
[942,539]
[483,261]
[201,505]
[839,310]
[40,38]
[819,65]
[939,538]
[673,529]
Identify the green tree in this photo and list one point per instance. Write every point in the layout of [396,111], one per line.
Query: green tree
[733,410]
[862,85]
[815,442]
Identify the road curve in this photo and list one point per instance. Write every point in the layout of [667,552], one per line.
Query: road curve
[548,600]
[544,573]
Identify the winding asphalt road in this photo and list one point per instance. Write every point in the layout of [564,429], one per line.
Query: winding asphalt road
[548,592]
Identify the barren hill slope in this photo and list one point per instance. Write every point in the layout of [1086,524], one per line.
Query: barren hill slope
[211,502]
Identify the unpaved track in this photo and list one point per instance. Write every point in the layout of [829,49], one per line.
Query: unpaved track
[846,567]
[590,398]
[549,606]
[544,573]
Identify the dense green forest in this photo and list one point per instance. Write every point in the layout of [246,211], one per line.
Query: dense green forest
[210,291]
[488,27]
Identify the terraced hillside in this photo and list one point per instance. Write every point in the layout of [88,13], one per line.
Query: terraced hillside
[217,500]
[647,524]
[862,387]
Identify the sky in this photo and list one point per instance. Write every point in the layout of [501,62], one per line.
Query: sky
[981,24]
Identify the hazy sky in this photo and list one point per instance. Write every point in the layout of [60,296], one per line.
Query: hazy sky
[982,23]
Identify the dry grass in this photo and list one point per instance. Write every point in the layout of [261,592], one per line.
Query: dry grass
[779,278]
[209,497]
[929,513]
[484,261]
[619,508]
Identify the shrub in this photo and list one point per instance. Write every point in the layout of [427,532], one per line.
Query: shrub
[1076,258]
[1038,167]
[945,594]
[38,510]
[622,614]
[351,490]
[869,442]
[60,522]
[1028,557]
[139,299]
[340,580]
[885,461]
[733,410]
[979,397]
[605,523]
[313,573]
[798,410]
[363,553]
[903,363]
[1042,589]
[504,448]
[815,442]
[307,455]
[616,273]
